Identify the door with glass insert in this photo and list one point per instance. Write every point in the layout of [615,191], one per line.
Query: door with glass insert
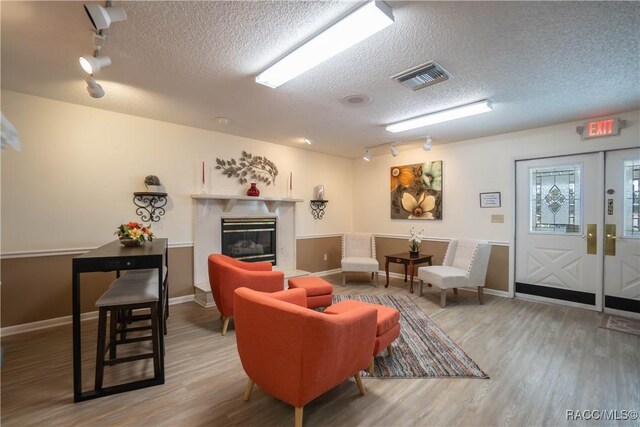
[558,212]
[622,231]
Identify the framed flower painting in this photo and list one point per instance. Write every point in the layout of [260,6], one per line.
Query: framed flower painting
[416,191]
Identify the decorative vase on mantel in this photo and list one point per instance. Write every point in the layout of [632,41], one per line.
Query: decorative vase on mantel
[414,254]
[253,190]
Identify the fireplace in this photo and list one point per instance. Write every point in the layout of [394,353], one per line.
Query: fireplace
[249,239]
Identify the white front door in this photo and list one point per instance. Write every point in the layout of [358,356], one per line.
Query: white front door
[622,231]
[558,228]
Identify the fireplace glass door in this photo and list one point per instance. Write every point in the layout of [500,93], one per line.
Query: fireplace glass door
[249,239]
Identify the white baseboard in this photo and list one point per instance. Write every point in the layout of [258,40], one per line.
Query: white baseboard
[66,320]
[327,272]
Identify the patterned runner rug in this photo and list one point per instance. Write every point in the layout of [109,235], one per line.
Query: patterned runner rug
[422,349]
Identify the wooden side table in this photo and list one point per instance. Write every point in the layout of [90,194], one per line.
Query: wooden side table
[408,261]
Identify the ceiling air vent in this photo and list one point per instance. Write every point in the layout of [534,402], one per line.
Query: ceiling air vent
[422,76]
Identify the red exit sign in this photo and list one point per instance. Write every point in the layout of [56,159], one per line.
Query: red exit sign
[598,128]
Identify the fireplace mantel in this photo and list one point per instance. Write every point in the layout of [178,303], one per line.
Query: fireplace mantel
[209,209]
[230,201]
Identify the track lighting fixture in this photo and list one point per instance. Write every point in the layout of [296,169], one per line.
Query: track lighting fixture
[102,17]
[427,144]
[393,146]
[94,89]
[93,64]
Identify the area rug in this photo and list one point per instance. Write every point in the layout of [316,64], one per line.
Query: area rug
[422,349]
[620,324]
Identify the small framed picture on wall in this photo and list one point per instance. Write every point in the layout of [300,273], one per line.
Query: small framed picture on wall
[490,200]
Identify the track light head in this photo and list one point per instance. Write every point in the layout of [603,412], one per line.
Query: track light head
[102,17]
[93,64]
[427,144]
[394,150]
[367,155]
[94,89]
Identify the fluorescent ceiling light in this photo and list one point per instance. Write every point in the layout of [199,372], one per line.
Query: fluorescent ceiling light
[353,28]
[442,116]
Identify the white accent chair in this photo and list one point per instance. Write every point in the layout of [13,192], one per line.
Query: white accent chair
[359,255]
[465,265]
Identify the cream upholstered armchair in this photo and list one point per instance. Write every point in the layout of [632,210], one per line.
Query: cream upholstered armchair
[359,255]
[465,265]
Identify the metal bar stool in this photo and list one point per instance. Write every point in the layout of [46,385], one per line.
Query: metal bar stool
[124,295]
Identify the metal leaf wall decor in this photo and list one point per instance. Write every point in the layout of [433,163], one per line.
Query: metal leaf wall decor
[249,167]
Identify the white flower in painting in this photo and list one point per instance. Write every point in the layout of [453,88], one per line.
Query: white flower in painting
[432,175]
[420,208]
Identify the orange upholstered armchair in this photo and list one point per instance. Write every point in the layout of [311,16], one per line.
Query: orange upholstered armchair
[296,354]
[226,274]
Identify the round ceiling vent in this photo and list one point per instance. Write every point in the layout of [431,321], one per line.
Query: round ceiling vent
[356,100]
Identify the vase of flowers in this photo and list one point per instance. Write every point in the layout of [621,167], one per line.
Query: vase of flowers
[414,242]
[134,234]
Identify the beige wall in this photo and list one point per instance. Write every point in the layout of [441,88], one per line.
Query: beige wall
[81,166]
[39,288]
[469,168]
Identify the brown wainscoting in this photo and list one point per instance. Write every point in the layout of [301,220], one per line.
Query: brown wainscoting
[39,288]
[310,253]
[497,273]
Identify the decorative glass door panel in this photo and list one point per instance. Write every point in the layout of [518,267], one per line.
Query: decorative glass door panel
[554,195]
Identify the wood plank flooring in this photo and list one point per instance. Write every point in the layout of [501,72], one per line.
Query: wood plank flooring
[542,359]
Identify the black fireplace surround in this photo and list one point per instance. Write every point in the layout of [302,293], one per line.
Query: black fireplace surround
[249,239]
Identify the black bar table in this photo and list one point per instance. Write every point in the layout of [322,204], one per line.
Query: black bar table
[115,257]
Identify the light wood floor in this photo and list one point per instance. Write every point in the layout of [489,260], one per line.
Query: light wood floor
[542,359]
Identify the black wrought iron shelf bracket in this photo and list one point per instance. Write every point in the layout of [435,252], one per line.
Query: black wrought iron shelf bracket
[150,206]
[317,208]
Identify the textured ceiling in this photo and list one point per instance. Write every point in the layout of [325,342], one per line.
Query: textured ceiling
[188,62]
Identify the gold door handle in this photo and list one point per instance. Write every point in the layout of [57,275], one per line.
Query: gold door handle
[610,241]
[592,239]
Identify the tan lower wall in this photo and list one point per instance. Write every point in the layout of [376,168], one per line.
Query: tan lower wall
[39,288]
[310,253]
[497,273]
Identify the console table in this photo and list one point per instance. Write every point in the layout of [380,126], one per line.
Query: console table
[408,261]
[115,257]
